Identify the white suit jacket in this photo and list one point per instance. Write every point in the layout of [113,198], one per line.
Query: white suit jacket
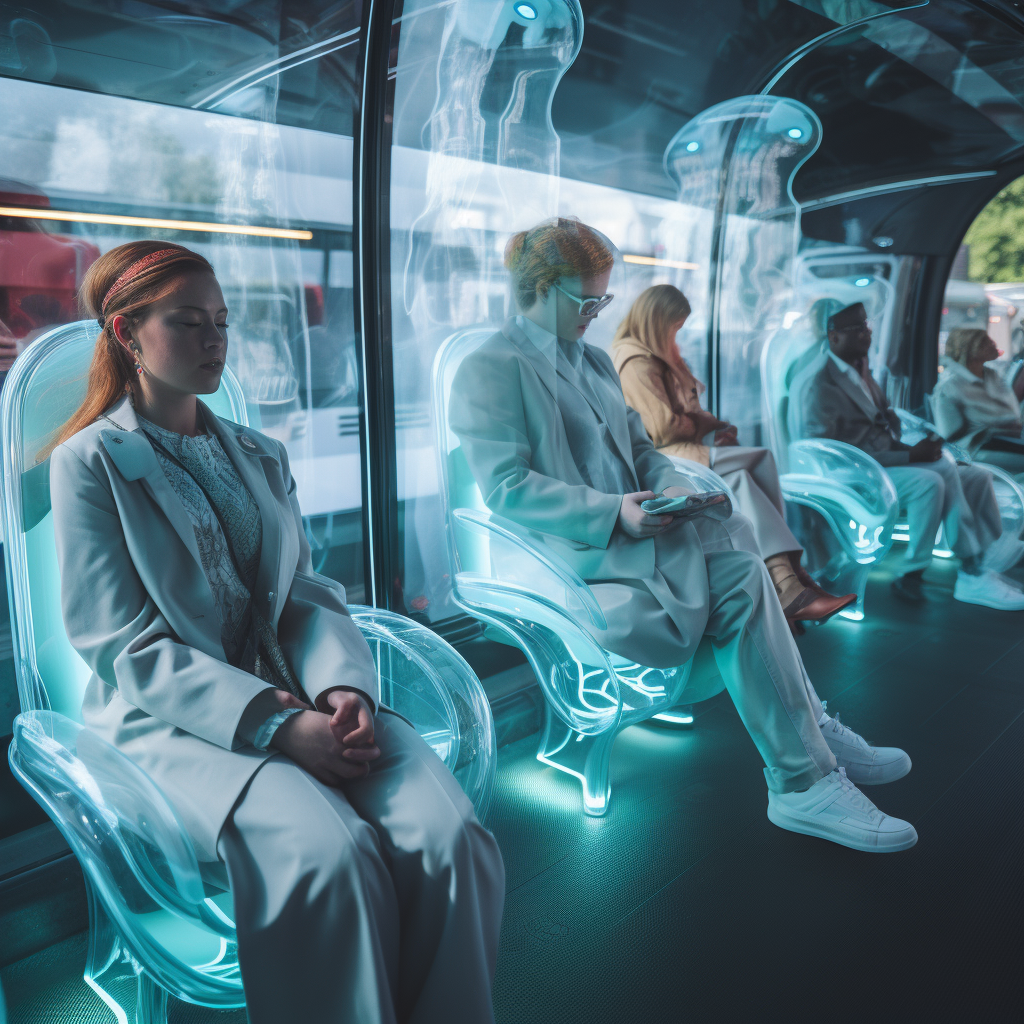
[504,410]
[137,607]
[972,410]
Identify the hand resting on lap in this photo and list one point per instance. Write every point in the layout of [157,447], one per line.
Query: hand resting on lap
[333,748]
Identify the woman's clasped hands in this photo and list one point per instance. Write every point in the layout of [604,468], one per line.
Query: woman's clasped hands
[334,748]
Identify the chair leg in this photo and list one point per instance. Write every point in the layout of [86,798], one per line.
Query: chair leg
[104,942]
[585,757]
[849,577]
[150,1001]
[107,964]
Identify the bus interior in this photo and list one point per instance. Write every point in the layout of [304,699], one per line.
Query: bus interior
[353,170]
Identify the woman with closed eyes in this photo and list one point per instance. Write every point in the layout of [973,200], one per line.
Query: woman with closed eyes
[364,887]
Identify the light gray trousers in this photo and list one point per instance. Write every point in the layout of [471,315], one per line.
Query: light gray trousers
[960,498]
[373,904]
[710,580]
[754,479]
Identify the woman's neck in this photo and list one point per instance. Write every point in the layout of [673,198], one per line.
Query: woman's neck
[179,414]
[977,367]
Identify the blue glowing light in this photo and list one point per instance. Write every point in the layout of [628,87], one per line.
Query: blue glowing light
[795,133]
[526,11]
[862,282]
[692,147]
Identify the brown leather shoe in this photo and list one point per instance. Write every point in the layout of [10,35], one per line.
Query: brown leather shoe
[817,605]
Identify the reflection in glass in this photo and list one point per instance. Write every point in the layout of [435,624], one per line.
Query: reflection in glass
[480,160]
[735,162]
[222,149]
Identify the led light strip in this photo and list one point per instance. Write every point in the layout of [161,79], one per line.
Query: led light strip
[653,261]
[36,213]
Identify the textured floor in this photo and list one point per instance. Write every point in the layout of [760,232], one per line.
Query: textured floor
[686,904]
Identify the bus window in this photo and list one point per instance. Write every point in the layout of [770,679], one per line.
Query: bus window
[235,144]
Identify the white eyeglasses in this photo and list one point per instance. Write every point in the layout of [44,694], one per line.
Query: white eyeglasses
[589,306]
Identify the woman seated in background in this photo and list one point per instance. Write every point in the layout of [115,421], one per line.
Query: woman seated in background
[658,384]
[364,887]
[974,406]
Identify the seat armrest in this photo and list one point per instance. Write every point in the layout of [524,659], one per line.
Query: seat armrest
[702,478]
[517,559]
[849,488]
[428,682]
[915,429]
[128,838]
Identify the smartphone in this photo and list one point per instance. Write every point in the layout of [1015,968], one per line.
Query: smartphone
[713,503]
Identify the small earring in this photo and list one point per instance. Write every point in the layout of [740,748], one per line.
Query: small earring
[138,364]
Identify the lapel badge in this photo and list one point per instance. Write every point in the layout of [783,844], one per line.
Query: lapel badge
[248,442]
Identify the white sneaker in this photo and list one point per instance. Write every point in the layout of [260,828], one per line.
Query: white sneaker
[1003,554]
[835,809]
[865,765]
[988,589]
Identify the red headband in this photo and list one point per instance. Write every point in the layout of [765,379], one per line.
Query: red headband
[133,271]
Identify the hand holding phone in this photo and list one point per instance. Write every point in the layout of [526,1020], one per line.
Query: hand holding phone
[714,504]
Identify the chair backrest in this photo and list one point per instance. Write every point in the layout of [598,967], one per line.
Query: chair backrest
[458,488]
[42,391]
[485,550]
[784,357]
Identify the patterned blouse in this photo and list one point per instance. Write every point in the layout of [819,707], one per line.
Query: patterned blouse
[216,499]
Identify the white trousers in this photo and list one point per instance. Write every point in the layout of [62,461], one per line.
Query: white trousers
[710,581]
[754,479]
[373,904]
[961,498]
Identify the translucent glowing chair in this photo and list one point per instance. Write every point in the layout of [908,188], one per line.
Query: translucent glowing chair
[847,504]
[503,576]
[152,925]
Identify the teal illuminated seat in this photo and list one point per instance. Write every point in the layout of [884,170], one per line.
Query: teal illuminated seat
[152,923]
[503,576]
[847,504]
[735,163]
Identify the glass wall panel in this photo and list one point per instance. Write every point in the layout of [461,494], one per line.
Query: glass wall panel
[476,158]
[239,147]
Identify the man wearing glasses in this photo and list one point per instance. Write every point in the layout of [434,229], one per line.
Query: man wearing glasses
[836,397]
[546,432]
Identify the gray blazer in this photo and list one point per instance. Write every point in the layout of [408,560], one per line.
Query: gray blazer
[823,402]
[504,410]
[137,607]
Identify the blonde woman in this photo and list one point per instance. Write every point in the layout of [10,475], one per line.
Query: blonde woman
[659,385]
[974,406]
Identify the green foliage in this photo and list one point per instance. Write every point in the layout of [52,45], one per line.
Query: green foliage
[996,237]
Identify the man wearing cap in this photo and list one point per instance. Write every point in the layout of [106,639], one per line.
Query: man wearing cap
[836,397]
